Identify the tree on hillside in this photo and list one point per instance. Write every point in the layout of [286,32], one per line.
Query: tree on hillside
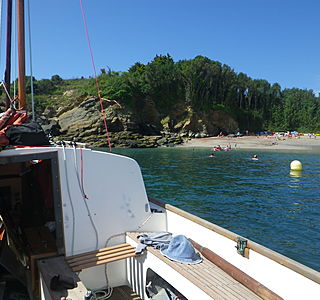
[161,81]
[201,77]
[56,80]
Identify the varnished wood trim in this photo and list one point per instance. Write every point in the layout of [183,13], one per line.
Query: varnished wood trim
[78,268]
[98,252]
[101,256]
[275,256]
[249,282]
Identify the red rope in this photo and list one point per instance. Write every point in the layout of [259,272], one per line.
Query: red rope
[95,75]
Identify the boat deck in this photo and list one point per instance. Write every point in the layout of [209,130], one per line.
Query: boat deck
[208,277]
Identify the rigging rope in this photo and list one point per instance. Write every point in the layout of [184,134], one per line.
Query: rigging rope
[15,65]
[95,75]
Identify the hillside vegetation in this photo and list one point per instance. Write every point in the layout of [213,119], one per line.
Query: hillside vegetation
[189,97]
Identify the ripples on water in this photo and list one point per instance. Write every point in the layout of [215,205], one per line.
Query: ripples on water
[260,200]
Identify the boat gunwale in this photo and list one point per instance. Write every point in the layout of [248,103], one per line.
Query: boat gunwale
[273,255]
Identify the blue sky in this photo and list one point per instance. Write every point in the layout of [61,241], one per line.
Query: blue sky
[274,40]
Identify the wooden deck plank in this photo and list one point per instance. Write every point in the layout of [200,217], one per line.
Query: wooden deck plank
[215,274]
[208,277]
[228,284]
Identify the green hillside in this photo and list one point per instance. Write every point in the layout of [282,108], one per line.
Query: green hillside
[201,84]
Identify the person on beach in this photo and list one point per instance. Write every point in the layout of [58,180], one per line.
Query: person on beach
[255,157]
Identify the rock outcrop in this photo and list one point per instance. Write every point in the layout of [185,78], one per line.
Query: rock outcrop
[84,122]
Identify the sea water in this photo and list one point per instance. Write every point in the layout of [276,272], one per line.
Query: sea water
[259,200]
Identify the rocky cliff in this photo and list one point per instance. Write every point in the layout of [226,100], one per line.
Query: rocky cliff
[84,122]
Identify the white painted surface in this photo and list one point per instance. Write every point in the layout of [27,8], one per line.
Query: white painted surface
[117,203]
[117,199]
[280,279]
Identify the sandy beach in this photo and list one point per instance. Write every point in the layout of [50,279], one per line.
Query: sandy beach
[302,143]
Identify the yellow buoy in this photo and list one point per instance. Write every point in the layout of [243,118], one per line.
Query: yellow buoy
[296,165]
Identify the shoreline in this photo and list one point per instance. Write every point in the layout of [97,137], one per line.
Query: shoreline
[263,143]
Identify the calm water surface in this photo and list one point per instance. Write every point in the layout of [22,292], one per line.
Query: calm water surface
[260,200]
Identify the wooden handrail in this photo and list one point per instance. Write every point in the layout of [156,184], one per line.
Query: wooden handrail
[236,273]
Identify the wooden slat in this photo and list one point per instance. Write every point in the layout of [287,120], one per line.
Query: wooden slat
[69,258]
[99,254]
[99,257]
[105,261]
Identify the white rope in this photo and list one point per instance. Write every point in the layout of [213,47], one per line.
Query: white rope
[109,288]
[31,73]
[6,91]
[84,198]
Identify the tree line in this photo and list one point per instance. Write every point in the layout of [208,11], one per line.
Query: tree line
[204,85]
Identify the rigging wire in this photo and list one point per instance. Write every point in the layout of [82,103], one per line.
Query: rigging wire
[30,57]
[1,25]
[95,74]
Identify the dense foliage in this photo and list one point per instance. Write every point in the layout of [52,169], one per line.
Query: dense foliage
[202,84]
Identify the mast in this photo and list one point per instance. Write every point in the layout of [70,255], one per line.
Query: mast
[7,78]
[21,56]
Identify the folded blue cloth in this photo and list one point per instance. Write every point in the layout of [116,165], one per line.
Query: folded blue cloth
[177,248]
[157,240]
[181,250]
